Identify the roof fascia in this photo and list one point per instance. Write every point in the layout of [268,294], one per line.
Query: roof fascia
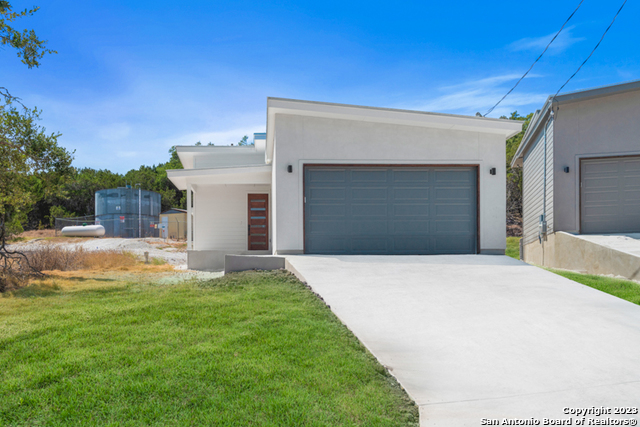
[276,106]
[259,174]
[531,132]
[584,95]
[187,153]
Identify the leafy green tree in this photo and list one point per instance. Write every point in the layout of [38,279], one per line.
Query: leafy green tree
[245,141]
[32,167]
[77,196]
[514,175]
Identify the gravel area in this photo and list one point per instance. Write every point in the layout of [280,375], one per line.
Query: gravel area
[157,248]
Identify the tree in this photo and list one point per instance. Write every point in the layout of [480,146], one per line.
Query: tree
[32,167]
[514,175]
[32,164]
[30,48]
[245,141]
[77,196]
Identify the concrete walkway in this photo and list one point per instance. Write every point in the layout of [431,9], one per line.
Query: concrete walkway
[472,337]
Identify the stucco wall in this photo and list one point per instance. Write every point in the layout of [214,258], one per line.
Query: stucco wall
[306,140]
[221,216]
[606,126]
[229,156]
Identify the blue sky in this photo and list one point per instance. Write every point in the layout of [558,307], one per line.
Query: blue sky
[133,78]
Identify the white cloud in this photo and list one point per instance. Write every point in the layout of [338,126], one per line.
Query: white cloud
[564,41]
[480,95]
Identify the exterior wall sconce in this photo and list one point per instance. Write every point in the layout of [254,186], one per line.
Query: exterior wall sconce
[492,171]
[566,169]
[290,169]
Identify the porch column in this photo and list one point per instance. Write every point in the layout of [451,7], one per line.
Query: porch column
[189,219]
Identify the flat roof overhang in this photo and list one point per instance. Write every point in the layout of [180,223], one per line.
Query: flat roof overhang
[507,128]
[187,153]
[260,174]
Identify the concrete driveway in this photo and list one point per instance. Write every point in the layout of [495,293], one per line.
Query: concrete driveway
[472,336]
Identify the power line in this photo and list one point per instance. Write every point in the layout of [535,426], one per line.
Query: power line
[594,49]
[534,62]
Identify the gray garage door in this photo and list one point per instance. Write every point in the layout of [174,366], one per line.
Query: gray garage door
[390,210]
[610,195]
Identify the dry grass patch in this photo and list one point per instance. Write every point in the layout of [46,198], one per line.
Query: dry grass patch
[36,234]
[54,257]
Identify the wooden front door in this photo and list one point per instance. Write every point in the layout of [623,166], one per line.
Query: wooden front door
[258,220]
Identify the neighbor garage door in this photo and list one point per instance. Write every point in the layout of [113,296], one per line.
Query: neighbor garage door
[610,195]
[390,210]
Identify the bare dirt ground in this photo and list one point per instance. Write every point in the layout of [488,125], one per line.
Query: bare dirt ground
[171,252]
[514,226]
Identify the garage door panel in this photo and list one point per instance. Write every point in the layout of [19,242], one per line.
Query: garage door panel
[327,175]
[411,209]
[317,210]
[602,210]
[455,209]
[374,193]
[368,175]
[390,210]
[371,209]
[601,167]
[329,194]
[452,227]
[601,183]
[410,176]
[454,193]
[452,176]
[600,196]
[369,227]
[631,200]
[411,228]
[632,180]
[610,195]
[328,227]
[420,193]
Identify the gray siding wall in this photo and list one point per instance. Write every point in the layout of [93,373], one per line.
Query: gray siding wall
[533,189]
[600,127]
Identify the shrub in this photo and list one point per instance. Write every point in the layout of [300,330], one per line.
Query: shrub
[48,257]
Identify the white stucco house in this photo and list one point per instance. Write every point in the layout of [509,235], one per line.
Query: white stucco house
[344,179]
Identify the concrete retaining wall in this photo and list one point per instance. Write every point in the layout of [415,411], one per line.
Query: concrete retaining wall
[214,260]
[570,252]
[252,262]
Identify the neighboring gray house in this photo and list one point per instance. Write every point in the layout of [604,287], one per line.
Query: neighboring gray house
[591,182]
[345,179]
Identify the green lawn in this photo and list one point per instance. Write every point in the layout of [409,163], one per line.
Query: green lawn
[513,247]
[625,289]
[249,349]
